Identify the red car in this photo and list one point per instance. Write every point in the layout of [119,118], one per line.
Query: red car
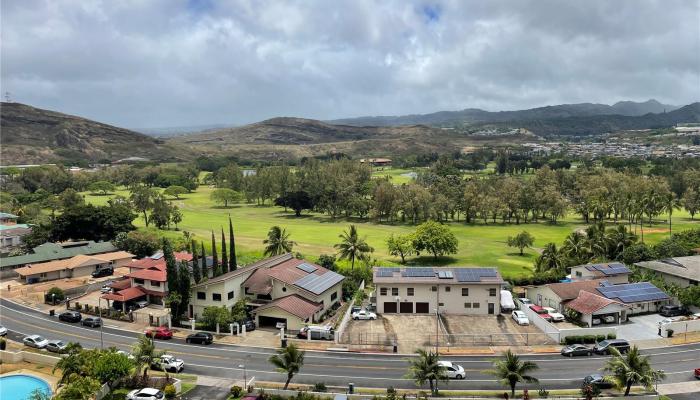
[541,312]
[697,373]
[160,332]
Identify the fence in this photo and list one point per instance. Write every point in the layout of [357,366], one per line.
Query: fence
[346,317]
[557,335]
[681,327]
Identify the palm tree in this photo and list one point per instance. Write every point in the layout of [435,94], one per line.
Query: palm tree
[277,242]
[352,247]
[618,239]
[144,352]
[72,363]
[576,248]
[551,260]
[288,360]
[595,236]
[510,370]
[426,368]
[670,204]
[631,369]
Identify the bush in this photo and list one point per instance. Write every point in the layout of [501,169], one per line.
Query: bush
[611,336]
[236,391]
[56,293]
[170,391]
[319,387]
[3,344]
[543,393]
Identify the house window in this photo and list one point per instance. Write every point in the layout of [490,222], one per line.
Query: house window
[465,291]
[334,296]
[447,288]
[409,291]
[467,305]
[216,296]
[433,288]
[476,305]
[579,274]
[382,291]
[284,288]
[492,292]
[321,304]
[441,304]
[155,283]
[43,275]
[394,291]
[230,295]
[139,281]
[201,296]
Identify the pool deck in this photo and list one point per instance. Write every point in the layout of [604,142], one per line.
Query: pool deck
[50,379]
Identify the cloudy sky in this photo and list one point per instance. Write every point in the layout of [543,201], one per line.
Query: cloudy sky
[166,63]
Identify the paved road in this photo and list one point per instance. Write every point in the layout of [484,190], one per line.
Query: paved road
[333,368]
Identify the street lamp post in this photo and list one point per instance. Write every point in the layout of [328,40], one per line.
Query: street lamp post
[245,377]
[99,313]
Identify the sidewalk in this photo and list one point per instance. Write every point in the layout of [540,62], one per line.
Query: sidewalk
[680,387]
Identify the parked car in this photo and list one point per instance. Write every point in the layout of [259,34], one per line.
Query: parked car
[576,350]
[127,354]
[596,321]
[524,301]
[200,337]
[145,394]
[453,371]
[541,312]
[697,373]
[36,341]
[56,346]
[609,319]
[70,316]
[520,317]
[3,331]
[103,272]
[673,311]
[168,363]
[106,289]
[92,322]
[364,314]
[556,316]
[316,332]
[249,325]
[603,347]
[667,321]
[159,332]
[355,309]
[597,380]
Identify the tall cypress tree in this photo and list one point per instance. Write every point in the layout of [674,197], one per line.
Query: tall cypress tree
[232,262]
[205,270]
[224,257]
[196,272]
[184,285]
[215,256]
[170,265]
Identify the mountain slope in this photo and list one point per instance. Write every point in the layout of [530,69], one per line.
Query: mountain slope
[475,115]
[32,135]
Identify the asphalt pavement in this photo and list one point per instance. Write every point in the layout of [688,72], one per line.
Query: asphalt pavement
[336,368]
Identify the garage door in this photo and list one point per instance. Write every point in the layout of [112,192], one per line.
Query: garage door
[422,308]
[406,308]
[389,307]
[270,322]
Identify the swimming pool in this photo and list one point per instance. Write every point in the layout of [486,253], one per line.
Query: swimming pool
[19,387]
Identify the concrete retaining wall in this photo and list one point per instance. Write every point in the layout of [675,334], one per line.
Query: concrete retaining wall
[681,327]
[19,356]
[557,334]
[346,318]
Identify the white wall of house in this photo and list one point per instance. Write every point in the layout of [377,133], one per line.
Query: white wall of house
[233,285]
[682,282]
[474,300]
[580,273]
[545,297]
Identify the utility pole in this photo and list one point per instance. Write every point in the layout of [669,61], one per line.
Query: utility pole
[437,322]
[99,312]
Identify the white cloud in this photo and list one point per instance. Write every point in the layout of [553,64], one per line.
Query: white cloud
[168,63]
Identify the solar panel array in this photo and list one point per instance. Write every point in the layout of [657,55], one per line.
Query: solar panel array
[387,272]
[418,272]
[318,284]
[633,292]
[445,274]
[307,267]
[473,274]
[609,269]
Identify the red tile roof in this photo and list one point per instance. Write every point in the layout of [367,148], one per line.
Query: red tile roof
[119,285]
[293,304]
[588,303]
[570,290]
[152,274]
[149,262]
[126,294]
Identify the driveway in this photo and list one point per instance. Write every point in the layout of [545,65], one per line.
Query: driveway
[206,393]
[641,327]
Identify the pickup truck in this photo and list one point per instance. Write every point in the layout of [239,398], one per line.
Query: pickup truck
[168,363]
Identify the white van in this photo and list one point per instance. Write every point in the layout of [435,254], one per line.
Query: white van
[317,332]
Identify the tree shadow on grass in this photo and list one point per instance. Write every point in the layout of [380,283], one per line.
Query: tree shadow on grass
[227,208]
[430,260]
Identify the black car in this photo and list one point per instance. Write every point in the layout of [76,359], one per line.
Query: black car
[201,338]
[604,346]
[103,272]
[598,381]
[673,311]
[576,350]
[70,316]
[92,322]
[249,325]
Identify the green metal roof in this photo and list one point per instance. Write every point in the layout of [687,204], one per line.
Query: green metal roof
[57,251]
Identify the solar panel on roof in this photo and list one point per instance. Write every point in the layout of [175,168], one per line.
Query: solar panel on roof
[445,275]
[418,272]
[473,274]
[318,284]
[307,267]
[385,272]
[633,292]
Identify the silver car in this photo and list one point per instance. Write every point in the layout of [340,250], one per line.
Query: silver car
[3,331]
[56,346]
[35,341]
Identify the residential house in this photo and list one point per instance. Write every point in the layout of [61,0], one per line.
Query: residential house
[50,252]
[455,290]
[556,295]
[682,271]
[79,266]
[592,306]
[614,272]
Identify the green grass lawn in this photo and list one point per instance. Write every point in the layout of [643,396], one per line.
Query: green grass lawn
[479,244]
[397,176]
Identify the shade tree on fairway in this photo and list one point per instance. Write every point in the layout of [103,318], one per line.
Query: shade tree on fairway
[435,238]
[521,241]
[175,191]
[225,196]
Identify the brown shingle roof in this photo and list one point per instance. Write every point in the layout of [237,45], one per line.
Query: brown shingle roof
[73,262]
[570,290]
[588,303]
[126,294]
[254,266]
[284,270]
[293,304]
